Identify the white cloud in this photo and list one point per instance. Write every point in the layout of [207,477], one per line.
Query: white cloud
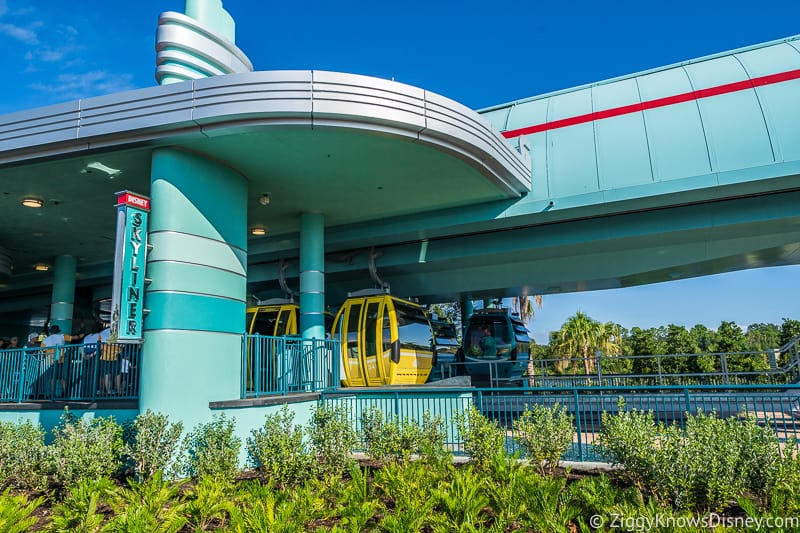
[82,85]
[19,33]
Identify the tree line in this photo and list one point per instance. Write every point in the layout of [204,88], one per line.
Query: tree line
[573,348]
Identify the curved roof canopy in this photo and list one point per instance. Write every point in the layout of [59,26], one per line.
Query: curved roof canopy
[352,147]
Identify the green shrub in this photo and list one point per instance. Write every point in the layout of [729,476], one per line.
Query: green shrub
[483,439]
[706,466]
[154,445]
[16,512]
[433,441]
[544,433]
[760,456]
[277,450]
[22,455]
[84,449]
[332,438]
[390,440]
[629,439]
[212,449]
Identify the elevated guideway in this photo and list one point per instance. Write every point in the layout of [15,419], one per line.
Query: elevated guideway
[681,171]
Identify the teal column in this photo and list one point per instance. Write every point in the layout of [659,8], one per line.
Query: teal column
[63,293]
[312,276]
[467,308]
[192,351]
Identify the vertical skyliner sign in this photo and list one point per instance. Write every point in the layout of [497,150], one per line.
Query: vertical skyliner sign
[130,255]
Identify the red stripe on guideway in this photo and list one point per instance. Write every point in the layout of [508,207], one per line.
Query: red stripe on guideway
[658,102]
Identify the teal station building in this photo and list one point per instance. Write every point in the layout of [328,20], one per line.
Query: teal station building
[254,178]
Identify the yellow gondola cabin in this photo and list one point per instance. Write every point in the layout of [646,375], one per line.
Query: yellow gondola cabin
[384,341]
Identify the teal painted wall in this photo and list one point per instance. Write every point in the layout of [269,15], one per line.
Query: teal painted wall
[197,299]
[248,419]
[49,418]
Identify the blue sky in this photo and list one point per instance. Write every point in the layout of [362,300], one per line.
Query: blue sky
[479,53]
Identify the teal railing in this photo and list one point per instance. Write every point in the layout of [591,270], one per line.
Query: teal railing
[773,406]
[78,372]
[778,366]
[282,365]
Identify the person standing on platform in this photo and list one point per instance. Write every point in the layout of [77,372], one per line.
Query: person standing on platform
[109,353]
[57,357]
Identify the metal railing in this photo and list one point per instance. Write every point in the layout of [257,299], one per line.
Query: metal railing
[778,366]
[280,365]
[773,406]
[80,372]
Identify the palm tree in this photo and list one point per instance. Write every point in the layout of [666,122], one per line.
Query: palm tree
[578,336]
[610,339]
[523,304]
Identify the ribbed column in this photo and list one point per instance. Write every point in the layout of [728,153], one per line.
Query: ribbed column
[63,293]
[197,298]
[312,276]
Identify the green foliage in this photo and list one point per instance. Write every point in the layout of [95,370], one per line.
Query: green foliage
[629,439]
[208,504]
[433,441]
[704,467]
[389,440]
[84,449]
[506,488]
[789,329]
[483,439]
[462,499]
[154,506]
[581,336]
[357,506]
[277,450]
[408,487]
[212,449]
[595,495]
[761,337]
[22,455]
[730,338]
[154,445]
[544,433]
[549,506]
[332,438]
[256,510]
[16,512]
[80,510]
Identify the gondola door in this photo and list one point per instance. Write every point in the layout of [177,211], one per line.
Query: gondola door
[372,347]
[347,330]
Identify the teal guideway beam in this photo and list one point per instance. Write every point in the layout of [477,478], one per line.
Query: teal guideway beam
[197,297]
[63,293]
[312,276]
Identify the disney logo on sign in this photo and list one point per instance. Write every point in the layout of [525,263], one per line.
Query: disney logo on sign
[134,200]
